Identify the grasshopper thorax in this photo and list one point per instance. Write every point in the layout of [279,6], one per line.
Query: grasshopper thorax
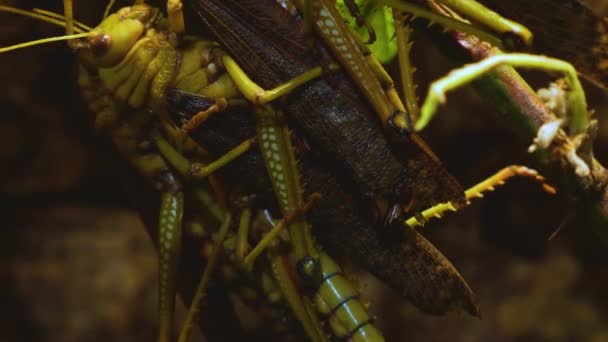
[114,37]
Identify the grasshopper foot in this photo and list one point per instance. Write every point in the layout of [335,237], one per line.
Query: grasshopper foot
[400,123]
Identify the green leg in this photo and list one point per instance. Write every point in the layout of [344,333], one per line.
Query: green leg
[401,118]
[169,246]
[201,290]
[483,15]
[506,27]
[189,169]
[206,200]
[478,190]
[343,44]
[577,104]
[256,94]
[406,70]
[151,165]
[242,243]
[336,298]
[364,68]
[290,216]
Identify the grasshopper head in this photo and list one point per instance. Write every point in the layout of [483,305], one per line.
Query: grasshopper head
[115,36]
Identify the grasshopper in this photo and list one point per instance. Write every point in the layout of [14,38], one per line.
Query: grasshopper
[340,227]
[128,63]
[375,84]
[379,171]
[162,163]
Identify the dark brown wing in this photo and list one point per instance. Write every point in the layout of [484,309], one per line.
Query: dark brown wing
[268,44]
[566,29]
[342,221]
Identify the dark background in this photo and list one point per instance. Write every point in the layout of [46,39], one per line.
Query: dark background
[76,263]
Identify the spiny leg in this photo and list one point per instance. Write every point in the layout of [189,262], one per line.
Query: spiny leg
[200,117]
[478,190]
[406,70]
[504,26]
[279,157]
[342,42]
[347,317]
[362,65]
[151,165]
[167,296]
[401,118]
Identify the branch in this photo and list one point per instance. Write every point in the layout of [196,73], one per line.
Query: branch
[507,89]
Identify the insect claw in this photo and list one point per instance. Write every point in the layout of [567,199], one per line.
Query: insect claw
[515,41]
[400,123]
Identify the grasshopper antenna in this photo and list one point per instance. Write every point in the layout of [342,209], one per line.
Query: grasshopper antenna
[108,8]
[49,17]
[46,16]
[78,26]
[43,41]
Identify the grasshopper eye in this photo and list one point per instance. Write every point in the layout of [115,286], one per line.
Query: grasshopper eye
[100,45]
[113,39]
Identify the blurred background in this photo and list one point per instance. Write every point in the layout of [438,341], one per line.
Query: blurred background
[76,263]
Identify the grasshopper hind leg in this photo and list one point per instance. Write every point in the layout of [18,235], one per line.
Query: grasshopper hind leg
[130,138]
[169,246]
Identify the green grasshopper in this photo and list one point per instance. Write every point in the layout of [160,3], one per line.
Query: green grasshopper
[346,44]
[157,164]
[234,33]
[128,62]
[369,75]
[589,62]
